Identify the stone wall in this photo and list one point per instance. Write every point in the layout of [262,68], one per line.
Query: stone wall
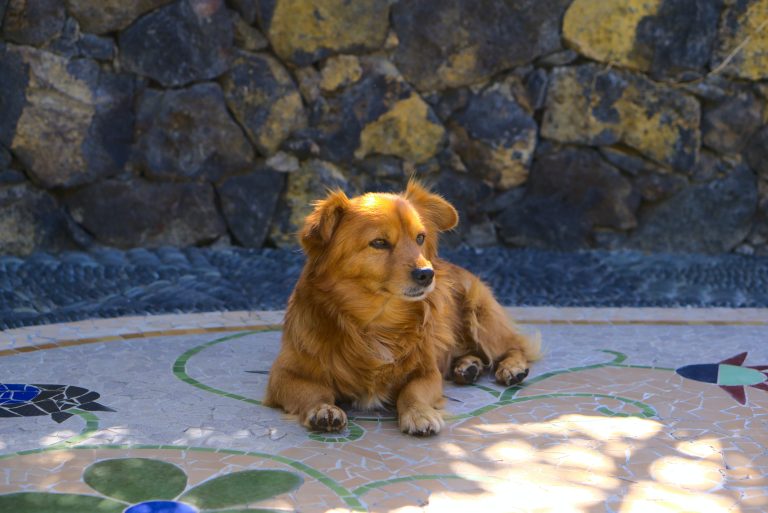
[563,124]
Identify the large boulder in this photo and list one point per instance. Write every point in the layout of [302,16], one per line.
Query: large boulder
[711,217]
[261,94]
[544,222]
[450,43]
[136,213]
[592,105]
[30,220]
[186,41]
[68,122]
[33,22]
[188,134]
[495,136]
[742,50]
[102,16]
[248,203]
[668,38]
[379,115]
[596,189]
[305,31]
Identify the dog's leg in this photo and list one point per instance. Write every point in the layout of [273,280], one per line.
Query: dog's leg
[417,405]
[313,402]
[513,368]
[489,329]
[467,369]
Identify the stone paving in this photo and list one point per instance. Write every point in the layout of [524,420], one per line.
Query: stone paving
[48,288]
[163,413]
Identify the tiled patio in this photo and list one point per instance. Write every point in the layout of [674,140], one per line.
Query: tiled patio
[163,414]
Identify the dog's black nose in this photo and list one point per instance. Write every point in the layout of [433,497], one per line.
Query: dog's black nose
[423,276]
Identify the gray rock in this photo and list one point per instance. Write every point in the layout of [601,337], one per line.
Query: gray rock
[712,217]
[469,195]
[591,186]
[756,152]
[248,9]
[544,222]
[261,94]
[247,37]
[3,7]
[30,220]
[727,126]
[303,31]
[136,213]
[11,177]
[5,158]
[187,134]
[186,41]
[95,47]
[471,40]
[304,186]
[677,41]
[102,16]
[248,203]
[379,114]
[33,22]
[14,80]
[591,105]
[655,186]
[57,96]
[495,136]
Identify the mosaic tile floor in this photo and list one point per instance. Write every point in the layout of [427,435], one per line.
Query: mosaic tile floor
[631,410]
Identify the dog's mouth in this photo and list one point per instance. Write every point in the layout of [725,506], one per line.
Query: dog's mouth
[417,293]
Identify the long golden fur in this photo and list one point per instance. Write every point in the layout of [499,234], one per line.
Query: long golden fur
[368,324]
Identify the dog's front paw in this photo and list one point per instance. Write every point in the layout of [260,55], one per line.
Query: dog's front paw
[467,369]
[511,371]
[421,420]
[326,417]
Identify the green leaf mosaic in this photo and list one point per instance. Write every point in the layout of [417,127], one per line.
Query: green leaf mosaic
[136,479]
[241,488]
[35,502]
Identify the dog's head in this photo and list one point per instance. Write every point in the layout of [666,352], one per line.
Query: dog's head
[378,243]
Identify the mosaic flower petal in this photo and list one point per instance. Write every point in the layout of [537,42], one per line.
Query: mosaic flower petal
[241,488]
[136,479]
[34,502]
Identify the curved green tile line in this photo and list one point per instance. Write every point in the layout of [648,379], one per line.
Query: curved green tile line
[180,365]
[362,490]
[91,426]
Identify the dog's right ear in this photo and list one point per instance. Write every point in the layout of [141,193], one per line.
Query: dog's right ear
[323,221]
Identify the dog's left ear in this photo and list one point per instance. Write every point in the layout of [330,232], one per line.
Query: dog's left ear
[431,207]
[322,222]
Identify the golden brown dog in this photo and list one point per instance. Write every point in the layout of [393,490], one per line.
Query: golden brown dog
[377,318]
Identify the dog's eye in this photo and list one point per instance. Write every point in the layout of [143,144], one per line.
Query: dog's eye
[420,239]
[380,244]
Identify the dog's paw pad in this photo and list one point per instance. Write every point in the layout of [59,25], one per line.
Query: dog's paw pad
[421,421]
[509,377]
[327,418]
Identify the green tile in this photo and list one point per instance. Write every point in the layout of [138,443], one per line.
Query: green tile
[136,479]
[33,502]
[241,488]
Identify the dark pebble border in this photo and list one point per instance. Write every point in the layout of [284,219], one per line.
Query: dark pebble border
[74,286]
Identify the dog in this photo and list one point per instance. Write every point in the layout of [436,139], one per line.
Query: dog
[378,319]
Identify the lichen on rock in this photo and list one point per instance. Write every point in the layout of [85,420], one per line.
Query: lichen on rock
[589,104]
